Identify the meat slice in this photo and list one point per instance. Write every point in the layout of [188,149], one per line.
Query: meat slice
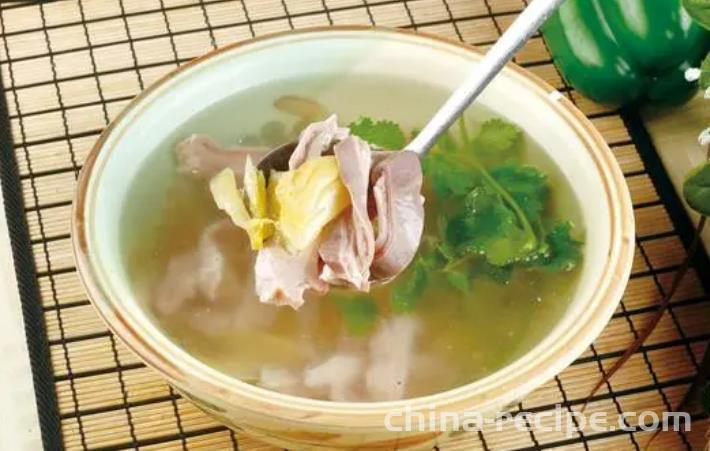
[178,284]
[187,274]
[283,278]
[315,139]
[211,262]
[203,157]
[348,249]
[397,184]
[337,377]
[391,356]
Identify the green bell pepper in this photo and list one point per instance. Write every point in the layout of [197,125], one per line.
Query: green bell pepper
[619,52]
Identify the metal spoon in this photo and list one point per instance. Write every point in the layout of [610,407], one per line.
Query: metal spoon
[502,51]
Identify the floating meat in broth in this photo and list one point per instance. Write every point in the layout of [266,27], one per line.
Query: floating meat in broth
[202,156]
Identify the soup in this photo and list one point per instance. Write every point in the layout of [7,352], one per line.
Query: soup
[470,302]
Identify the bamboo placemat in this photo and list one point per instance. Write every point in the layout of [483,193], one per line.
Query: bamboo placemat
[70,66]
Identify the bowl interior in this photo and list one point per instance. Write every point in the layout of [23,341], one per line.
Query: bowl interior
[333,61]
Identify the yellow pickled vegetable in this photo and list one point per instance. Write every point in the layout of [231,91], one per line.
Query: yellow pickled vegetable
[308,198]
[255,188]
[259,230]
[230,199]
[298,203]
[271,200]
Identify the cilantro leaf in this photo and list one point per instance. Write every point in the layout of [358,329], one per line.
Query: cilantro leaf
[383,134]
[359,313]
[445,173]
[564,252]
[497,142]
[503,251]
[447,144]
[489,227]
[447,178]
[410,286]
[527,185]
[499,274]
[459,279]
[447,251]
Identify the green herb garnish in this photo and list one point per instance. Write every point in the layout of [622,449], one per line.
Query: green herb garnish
[528,187]
[487,227]
[563,252]
[359,313]
[500,225]
[497,142]
[384,134]
[459,279]
[446,176]
[410,286]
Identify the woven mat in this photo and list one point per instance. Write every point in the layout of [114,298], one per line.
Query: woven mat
[70,66]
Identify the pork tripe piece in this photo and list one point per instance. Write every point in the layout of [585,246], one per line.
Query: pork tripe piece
[282,278]
[178,284]
[337,377]
[316,139]
[348,249]
[204,283]
[211,263]
[203,157]
[187,274]
[391,356]
[396,188]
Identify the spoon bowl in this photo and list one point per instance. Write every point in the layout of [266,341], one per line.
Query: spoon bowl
[277,159]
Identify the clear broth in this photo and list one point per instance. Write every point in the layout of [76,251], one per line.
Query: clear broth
[461,340]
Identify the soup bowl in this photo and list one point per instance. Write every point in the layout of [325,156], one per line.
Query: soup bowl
[547,116]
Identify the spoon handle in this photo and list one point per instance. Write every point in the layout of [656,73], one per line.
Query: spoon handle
[502,51]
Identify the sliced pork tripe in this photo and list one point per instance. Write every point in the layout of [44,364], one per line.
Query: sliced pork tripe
[203,157]
[187,274]
[316,139]
[391,357]
[336,378]
[396,188]
[348,248]
[203,282]
[282,278]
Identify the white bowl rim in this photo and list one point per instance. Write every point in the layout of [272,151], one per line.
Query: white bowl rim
[370,414]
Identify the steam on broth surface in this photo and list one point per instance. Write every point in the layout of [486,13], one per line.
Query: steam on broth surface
[193,270]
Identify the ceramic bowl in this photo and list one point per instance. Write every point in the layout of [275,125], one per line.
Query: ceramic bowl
[547,116]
